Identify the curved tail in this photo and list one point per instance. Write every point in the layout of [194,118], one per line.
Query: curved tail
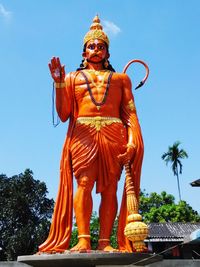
[146,68]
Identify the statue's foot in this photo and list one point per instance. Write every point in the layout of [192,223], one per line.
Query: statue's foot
[47,252]
[106,247]
[82,246]
[39,253]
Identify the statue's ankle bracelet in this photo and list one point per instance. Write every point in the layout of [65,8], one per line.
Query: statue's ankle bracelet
[83,236]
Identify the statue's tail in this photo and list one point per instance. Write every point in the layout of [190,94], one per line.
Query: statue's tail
[146,68]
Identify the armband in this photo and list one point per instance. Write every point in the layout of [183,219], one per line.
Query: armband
[131,105]
[60,85]
[131,146]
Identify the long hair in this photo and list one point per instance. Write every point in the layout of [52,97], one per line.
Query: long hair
[109,67]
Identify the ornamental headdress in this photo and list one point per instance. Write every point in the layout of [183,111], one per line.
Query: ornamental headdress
[96,32]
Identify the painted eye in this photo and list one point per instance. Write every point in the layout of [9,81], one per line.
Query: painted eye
[101,47]
[91,47]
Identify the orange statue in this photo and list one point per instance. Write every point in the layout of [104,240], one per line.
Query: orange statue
[103,135]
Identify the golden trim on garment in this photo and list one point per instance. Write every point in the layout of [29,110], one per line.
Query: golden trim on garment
[98,122]
[96,32]
[131,105]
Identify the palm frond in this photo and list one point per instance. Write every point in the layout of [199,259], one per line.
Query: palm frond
[173,156]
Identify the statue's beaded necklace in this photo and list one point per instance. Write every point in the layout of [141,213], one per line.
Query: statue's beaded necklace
[98,104]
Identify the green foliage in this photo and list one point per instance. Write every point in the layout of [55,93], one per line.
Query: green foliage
[74,236]
[162,208]
[113,238]
[94,230]
[24,215]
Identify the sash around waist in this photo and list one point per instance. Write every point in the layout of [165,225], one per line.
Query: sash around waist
[98,122]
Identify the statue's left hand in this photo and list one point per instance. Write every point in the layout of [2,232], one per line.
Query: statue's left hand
[128,155]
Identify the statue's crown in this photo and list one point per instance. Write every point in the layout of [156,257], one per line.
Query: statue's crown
[96,32]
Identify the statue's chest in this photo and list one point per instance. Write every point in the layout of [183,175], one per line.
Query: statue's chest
[87,84]
[97,87]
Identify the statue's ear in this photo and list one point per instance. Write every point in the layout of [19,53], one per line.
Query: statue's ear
[108,55]
[84,54]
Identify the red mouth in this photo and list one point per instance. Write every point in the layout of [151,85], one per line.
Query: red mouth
[94,56]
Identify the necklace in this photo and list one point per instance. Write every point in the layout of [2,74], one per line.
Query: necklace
[96,72]
[98,86]
[98,104]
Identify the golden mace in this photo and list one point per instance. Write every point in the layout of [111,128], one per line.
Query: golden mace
[136,231]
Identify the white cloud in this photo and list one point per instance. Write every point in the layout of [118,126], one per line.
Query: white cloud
[110,27]
[4,13]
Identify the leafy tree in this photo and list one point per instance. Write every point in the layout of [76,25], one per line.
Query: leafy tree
[162,208]
[174,156]
[24,215]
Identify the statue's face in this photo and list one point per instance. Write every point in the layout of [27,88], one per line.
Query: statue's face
[96,51]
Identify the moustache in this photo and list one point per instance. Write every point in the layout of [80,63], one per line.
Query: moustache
[94,55]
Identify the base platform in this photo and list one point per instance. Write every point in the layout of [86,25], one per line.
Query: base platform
[89,259]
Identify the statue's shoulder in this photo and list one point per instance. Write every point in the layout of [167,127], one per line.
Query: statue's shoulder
[70,77]
[121,76]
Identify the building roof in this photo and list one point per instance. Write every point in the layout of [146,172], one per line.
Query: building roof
[195,183]
[173,232]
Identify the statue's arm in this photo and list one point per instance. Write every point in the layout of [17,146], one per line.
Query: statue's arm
[130,119]
[63,88]
[64,99]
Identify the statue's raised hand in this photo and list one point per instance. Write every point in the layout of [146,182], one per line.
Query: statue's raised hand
[57,70]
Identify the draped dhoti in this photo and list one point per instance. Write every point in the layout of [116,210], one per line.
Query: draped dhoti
[99,140]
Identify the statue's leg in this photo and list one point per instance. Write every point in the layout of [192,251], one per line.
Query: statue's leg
[83,207]
[107,215]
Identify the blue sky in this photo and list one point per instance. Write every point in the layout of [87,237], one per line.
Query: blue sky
[165,34]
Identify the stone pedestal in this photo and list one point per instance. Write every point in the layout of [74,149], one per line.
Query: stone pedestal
[89,259]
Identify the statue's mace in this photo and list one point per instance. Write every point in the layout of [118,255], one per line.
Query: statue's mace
[135,230]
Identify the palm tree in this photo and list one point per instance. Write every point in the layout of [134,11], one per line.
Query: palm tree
[174,156]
